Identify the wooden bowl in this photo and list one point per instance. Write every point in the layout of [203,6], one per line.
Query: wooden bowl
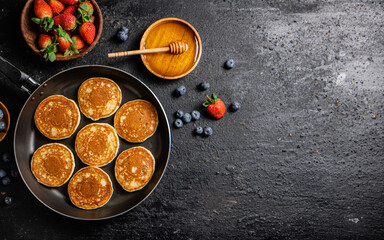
[161,34]
[30,31]
[5,119]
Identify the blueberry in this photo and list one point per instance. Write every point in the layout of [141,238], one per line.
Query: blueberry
[1,114]
[179,113]
[187,118]
[235,106]
[8,200]
[195,115]
[207,131]
[14,173]
[178,123]
[180,91]
[5,181]
[204,86]
[199,130]
[124,29]
[122,36]
[229,64]
[6,157]
[2,126]
[2,173]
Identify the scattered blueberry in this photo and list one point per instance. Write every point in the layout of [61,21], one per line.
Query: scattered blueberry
[179,113]
[187,118]
[6,157]
[204,85]
[122,36]
[195,115]
[2,173]
[207,131]
[181,90]
[199,130]
[5,181]
[178,123]
[124,29]
[2,126]
[229,64]
[1,114]
[8,200]
[14,173]
[235,106]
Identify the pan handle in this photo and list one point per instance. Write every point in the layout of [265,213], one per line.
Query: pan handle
[21,79]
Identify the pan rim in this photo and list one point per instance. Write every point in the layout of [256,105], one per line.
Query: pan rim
[162,111]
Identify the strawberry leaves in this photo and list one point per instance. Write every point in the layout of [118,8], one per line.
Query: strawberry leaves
[84,12]
[210,100]
[46,23]
[50,51]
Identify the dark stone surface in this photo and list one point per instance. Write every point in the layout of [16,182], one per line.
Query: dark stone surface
[302,158]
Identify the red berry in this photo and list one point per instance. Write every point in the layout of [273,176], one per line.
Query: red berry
[66,21]
[215,107]
[42,9]
[87,31]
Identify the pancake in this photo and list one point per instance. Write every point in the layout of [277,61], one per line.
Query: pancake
[53,164]
[134,168]
[57,117]
[90,188]
[136,121]
[97,144]
[99,98]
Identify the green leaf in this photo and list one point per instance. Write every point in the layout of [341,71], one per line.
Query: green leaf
[84,7]
[51,56]
[36,20]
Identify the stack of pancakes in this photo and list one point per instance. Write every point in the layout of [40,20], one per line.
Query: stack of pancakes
[96,144]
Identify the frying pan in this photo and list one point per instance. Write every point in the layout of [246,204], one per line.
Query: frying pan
[27,137]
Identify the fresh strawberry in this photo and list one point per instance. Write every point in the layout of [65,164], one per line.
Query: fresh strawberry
[215,107]
[44,41]
[63,44]
[70,9]
[78,42]
[85,11]
[57,7]
[87,31]
[69,2]
[66,21]
[42,9]
[47,45]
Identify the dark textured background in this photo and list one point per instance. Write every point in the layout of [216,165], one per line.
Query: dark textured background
[304,156]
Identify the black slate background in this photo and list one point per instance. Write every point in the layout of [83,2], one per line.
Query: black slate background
[302,159]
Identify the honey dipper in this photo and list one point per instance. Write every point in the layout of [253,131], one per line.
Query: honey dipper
[177,47]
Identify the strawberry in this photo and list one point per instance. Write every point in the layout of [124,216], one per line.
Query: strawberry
[47,45]
[70,10]
[69,2]
[42,9]
[63,44]
[57,7]
[44,41]
[85,11]
[215,107]
[66,21]
[87,31]
[78,42]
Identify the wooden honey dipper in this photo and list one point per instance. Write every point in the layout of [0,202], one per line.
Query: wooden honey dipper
[177,47]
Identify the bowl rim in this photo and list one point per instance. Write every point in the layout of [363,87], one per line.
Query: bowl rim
[155,24]
[28,7]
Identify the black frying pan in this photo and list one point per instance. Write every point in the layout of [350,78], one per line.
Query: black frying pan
[27,137]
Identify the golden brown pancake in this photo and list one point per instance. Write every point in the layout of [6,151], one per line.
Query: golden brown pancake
[99,98]
[53,164]
[97,144]
[134,168]
[136,121]
[90,188]
[57,117]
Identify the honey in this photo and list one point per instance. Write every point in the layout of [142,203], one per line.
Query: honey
[161,34]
